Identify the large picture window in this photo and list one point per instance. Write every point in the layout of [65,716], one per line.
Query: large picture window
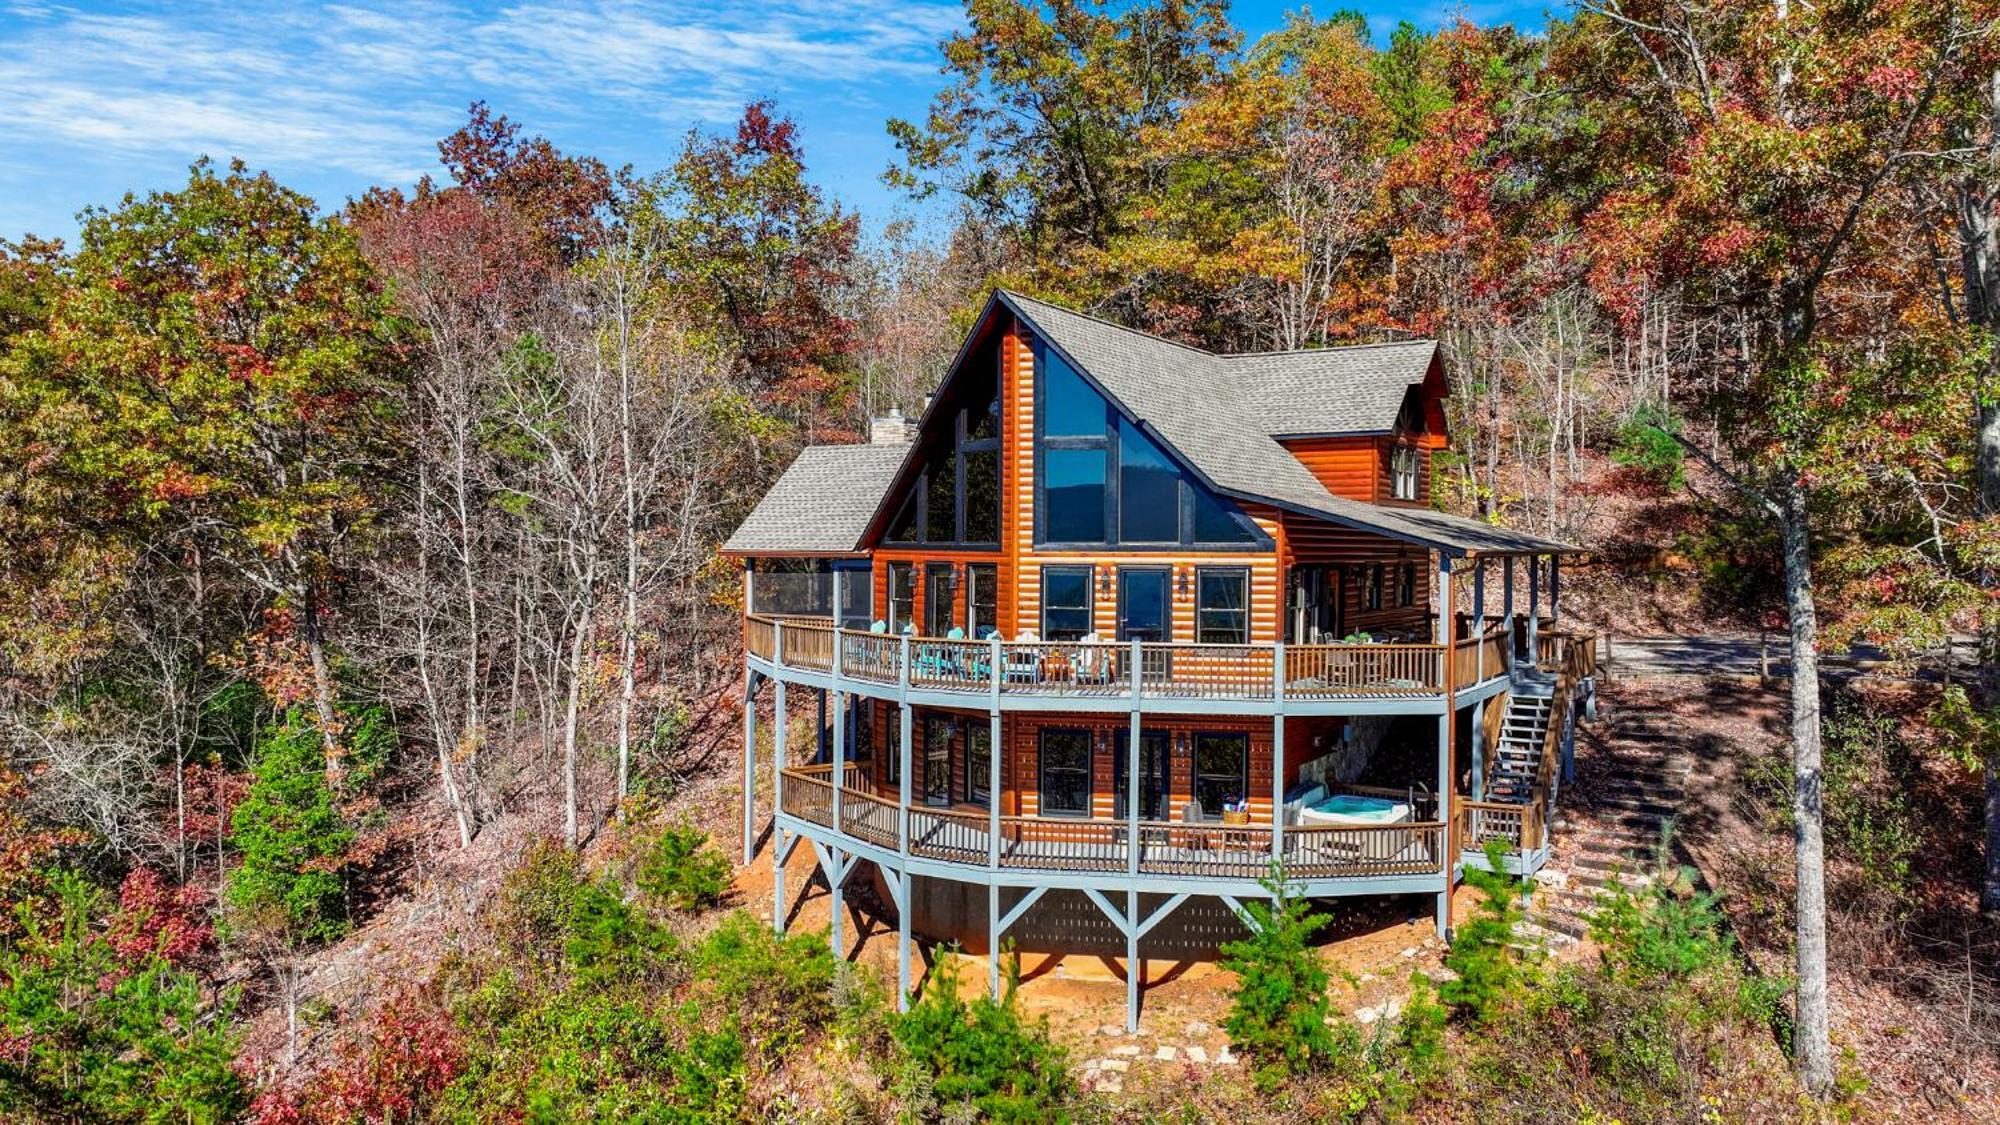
[902,597]
[956,498]
[1101,479]
[1065,602]
[1073,495]
[1065,769]
[1149,490]
[1221,771]
[1222,605]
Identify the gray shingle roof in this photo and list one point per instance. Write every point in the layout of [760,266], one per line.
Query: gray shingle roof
[822,503]
[1350,390]
[1215,413]
[1218,412]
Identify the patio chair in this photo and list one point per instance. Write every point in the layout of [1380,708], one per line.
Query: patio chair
[880,626]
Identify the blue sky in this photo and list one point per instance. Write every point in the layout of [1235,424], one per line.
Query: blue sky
[100,99]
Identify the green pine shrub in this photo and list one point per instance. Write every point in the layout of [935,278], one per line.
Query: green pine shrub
[683,872]
[292,838]
[1488,973]
[979,1058]
[99,1030]
[1279,1008]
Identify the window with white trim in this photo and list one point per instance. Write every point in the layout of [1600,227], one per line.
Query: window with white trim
[1404,465]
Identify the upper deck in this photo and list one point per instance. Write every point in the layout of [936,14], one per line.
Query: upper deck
[1129,675]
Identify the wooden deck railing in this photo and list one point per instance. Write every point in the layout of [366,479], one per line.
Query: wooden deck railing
[1165,670]
[1067,844]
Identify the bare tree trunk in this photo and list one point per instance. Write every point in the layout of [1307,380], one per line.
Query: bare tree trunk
[1813,1054]
[323,694]
[572,709]
[1978,199]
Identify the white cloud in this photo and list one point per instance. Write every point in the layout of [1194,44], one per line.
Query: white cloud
[368,87]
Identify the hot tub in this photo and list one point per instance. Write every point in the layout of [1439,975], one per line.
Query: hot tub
[1353,810]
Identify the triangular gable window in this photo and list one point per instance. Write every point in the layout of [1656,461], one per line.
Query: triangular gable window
[955,498]
[1101,481]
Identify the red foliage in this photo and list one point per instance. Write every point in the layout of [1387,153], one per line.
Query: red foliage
[410,1053]
[156,917]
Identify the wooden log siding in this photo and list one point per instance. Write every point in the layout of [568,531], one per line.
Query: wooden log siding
[1347,466]
[1304,541]
[1021,771]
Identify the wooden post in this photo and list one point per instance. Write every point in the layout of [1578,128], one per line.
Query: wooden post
[1133,967]
[993,752]
[1132,770]
[1278,753]
[749,766]
[1534,611]
[1479,616]
[777,804]
[1447,751]
[1555,590]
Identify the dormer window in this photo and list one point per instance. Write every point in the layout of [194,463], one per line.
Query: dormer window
[1404,465]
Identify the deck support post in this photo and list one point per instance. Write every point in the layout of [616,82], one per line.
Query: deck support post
[1534,610]
[1134,968]
[1447,751]
[1278,752]
[1132,765]
[1555,590]
[1507,604]
[993,938]
[778,802]
[1479,748]
[903,737]
[994,750]
[1479,616]
[903,943]
[836,882]
[749,766]
[839,773]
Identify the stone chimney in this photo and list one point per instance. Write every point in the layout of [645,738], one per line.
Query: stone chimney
[889,429]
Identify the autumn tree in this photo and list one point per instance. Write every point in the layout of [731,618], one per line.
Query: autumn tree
[1760,184]
[218,364]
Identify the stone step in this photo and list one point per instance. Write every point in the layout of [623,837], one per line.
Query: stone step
[1572,928]
[1635,805]
[1606,861]
[1603,879]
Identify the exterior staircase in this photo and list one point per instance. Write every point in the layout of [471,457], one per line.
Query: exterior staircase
[1517,755]
[1610,823]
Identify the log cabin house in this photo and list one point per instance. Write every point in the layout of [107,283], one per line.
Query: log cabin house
[1118,625]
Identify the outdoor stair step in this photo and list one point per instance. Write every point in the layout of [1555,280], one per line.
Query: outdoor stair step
[1575,929]
[1606,879]
[1621,860]
[1635,805]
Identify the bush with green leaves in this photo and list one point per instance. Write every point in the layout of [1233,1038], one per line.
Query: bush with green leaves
[683,872]
[1279,1008]
[779,986]
[292,838]
[1647,444]
[980,1057]
[1488,972]
[585,1054]
[93,1030]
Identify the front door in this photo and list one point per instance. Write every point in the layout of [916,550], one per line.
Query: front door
[1142,604]
[1155,755]
[1313,605]
[937,599]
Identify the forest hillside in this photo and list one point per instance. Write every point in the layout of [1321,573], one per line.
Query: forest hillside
[371,683]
